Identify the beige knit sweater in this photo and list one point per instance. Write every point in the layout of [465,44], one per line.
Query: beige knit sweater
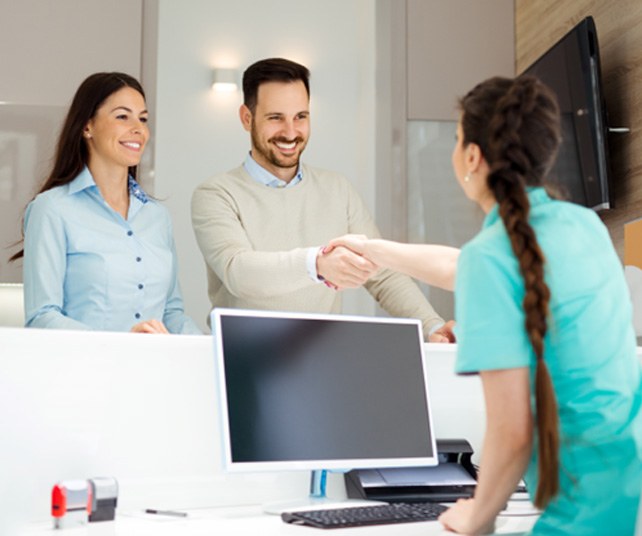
[255,239]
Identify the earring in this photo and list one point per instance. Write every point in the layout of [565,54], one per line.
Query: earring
[467,177]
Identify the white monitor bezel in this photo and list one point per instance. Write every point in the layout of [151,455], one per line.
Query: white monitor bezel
[311,465]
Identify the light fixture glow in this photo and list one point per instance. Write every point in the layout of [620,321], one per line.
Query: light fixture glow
[225,80]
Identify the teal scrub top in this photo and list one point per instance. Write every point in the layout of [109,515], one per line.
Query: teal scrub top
[590,351]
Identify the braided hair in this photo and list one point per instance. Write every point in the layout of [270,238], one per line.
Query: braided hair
[516,124]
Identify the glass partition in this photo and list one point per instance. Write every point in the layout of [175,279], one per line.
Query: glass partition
[27,138]
[438,210]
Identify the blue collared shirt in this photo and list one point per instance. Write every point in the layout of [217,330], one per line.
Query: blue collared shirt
[86,267]
[263,176]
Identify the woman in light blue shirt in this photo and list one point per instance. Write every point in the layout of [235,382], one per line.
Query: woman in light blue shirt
[543,315]
[98,252]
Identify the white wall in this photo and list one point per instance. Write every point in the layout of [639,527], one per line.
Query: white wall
[198,133]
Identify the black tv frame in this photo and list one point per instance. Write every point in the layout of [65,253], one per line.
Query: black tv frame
[571,68]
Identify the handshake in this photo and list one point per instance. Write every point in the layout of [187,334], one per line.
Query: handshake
[351,260]
[343,264]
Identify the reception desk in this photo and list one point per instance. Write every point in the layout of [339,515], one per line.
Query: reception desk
[142,408]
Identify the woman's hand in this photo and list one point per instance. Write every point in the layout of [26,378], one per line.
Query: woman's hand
[463,519]
[354,242]
[149,326]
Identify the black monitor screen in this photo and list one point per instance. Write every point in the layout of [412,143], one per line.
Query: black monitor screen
[322,392]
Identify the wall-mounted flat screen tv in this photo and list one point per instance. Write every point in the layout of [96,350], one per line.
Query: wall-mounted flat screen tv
[571,68]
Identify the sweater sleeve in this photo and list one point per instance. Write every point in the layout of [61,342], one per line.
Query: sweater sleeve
[396,293]
[228,250]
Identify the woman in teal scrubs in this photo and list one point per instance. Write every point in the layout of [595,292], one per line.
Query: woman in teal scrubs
[543,315]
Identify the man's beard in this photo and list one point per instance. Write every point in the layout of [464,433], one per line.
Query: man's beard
[267,151]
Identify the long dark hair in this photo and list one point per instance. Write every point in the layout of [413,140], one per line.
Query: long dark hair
[516,124]
[72,154]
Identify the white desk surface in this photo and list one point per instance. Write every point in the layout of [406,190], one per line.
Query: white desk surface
[247,521]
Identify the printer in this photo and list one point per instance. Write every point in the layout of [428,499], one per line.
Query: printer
[454,478]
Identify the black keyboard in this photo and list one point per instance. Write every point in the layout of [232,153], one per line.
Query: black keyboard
[380,514]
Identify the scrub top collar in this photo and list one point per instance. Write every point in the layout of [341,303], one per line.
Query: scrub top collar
[536,196]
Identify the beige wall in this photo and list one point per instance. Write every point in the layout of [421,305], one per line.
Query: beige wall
[539,24]
[450,50]
[46,50]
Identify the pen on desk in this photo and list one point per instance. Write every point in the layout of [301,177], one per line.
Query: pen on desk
[165,512]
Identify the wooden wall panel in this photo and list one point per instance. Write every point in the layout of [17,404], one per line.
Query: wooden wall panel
[540,23]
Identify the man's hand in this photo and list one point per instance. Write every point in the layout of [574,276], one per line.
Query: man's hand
[149,326]
[343,268]
[444,333]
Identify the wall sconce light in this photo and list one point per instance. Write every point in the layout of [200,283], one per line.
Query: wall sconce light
[225,80]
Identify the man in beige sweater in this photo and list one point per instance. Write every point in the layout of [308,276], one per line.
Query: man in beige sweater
[262,227]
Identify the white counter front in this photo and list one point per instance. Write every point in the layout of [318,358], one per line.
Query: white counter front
[142,408]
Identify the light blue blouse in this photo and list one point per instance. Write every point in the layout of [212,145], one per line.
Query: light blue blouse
[589,350]
[86,267]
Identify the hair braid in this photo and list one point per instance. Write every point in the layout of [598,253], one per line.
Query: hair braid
[511,167]
[517,126]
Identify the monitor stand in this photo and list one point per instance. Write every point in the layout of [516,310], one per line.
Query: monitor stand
[316,500]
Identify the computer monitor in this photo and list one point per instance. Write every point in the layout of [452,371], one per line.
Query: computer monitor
[315,392]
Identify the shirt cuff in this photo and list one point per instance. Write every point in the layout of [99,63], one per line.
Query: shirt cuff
[435,327]
[311,263]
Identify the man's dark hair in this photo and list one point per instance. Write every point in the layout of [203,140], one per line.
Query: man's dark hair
[271,70]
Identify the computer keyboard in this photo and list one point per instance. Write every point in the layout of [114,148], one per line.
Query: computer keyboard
[383,514]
